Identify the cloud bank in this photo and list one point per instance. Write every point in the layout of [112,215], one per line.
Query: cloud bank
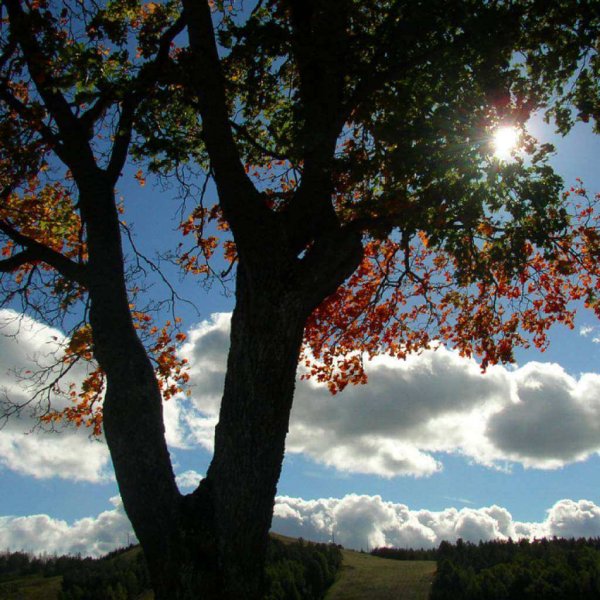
[354,521]
[368,522]
[436,402]
[92,536]
[401,423]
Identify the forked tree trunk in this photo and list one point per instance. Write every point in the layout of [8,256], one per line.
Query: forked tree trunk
[224,525]
[210,544]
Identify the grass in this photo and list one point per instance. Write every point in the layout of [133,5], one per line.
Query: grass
[366,577]
[31,587]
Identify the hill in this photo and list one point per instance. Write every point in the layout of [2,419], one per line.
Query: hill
[295,569]
[366,577]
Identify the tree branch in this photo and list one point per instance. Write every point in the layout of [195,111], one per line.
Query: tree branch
[77,152]
[318,42]
[20,259]
[120,147]
[26,113]
[148,75]
[240,200]
[334,256]
[35,251]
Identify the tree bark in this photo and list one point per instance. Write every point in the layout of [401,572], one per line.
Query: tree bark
[266,336]
[132,408]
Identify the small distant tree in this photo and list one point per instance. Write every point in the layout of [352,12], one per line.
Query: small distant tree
[361,208]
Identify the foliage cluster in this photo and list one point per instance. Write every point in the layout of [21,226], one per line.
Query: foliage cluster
[121,578]
[301,571]
[544,569]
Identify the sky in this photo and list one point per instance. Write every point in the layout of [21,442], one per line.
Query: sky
[430,449]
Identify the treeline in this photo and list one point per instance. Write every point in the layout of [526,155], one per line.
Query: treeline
[301,571]
[557,569]
[21,564]
[405,553]
[113,578]
[116,576]
[297,571]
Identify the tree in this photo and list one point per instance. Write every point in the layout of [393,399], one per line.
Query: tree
[348,142]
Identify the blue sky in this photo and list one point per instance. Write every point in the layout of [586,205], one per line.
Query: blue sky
[429,450]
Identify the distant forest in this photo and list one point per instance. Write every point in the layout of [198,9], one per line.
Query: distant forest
[297,571]
[556,569]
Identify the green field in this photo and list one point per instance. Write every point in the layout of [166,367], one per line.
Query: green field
[370,578]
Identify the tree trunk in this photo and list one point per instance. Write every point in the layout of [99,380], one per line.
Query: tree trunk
[216,547]
[132,408]
[210,544]
[266,336]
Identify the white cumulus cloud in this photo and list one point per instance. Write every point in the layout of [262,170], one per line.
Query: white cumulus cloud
[435,402]
[402,422]
[359,521]
[27,346]
[91,536]
[355,521]
[188,480]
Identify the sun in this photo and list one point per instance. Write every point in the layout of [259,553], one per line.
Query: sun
[505,140]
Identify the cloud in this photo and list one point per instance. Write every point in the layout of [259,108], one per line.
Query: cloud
[355,521]
[188,480]
[555,419]
[402,422]
[586,330]
[369,521]
[574,519]
[27,346]
[413,410]
[91,536]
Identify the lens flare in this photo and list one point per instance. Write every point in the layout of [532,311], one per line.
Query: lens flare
[505,140]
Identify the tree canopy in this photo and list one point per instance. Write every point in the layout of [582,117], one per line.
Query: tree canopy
[361,210]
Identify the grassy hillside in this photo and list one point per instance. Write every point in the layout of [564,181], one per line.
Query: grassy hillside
[366,577]
[362,577]
[31,587]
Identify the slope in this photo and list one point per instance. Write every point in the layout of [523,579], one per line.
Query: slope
[366,577]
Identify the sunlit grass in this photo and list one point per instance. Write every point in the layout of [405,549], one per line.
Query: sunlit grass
[366,577]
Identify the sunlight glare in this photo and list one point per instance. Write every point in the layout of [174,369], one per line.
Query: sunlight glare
[505,140]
